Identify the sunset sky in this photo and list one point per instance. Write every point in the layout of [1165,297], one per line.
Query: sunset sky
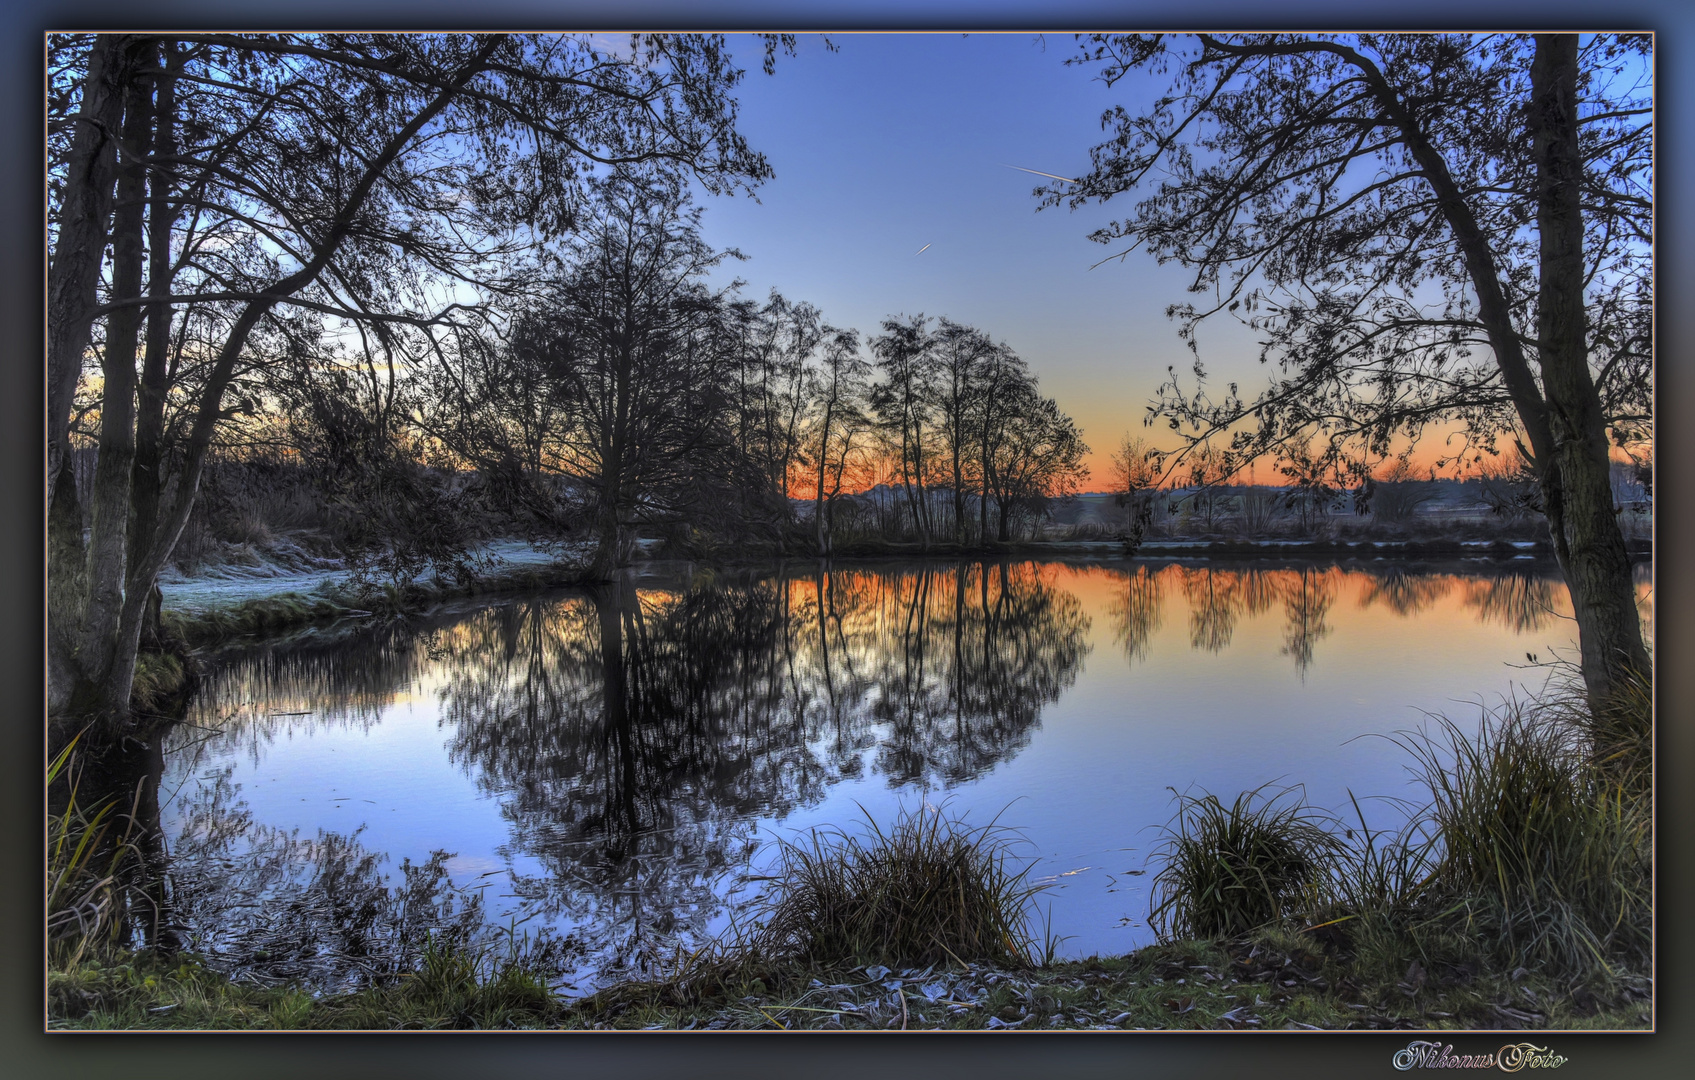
[901,140]
[898,141]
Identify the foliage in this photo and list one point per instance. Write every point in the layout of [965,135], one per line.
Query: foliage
[1424,232]
[1509,487]
[303,216]
[1270,140]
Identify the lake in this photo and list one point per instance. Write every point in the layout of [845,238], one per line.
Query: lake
[609,772]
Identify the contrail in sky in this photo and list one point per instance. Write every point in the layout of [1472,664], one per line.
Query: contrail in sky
[922,250]
[1039,172]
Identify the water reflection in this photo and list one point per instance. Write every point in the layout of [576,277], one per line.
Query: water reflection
[1220,597]
[633,736]
[1306,602]
[638,740]
[1519,602]
[275,906]
[1136,612]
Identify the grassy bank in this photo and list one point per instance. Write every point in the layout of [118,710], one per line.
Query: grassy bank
[1270,982]
[278,614]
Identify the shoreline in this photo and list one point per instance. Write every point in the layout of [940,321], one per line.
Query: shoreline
[211,610]
[1278,980]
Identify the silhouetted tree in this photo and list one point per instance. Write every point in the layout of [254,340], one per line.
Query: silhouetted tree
[838,427]
[266,190]
[905,354]
[1324,187]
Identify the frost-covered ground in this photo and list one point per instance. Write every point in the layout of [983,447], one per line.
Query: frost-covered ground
[284,567]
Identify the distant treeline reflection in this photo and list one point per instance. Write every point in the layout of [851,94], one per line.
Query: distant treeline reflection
[1218,597]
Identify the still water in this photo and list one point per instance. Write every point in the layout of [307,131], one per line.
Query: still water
[609,772]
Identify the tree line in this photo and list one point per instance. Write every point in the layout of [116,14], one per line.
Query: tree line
[458,283]
[441,249]
[629,396]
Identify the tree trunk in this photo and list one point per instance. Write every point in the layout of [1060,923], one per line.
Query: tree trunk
[72,280]
[103,659]
[1575,471]
[610,542]
[147,475]
[819,527]
[1562,418]
[74,273]
[92,691]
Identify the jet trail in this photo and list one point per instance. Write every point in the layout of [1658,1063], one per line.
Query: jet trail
[1039,172]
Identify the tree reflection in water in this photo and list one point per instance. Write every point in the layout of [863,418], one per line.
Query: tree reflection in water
[634,736]
[631,737]
[273,906]
[1522,601]
[637,736]
[1136,612]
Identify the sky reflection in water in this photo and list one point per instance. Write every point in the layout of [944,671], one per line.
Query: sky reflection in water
[614,766]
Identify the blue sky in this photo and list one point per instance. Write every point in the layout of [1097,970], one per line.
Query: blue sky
[901,140]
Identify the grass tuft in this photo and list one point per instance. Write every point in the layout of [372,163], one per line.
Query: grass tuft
[88,854]
[1545,857]
[1533,852]
[929,890]
[1228,871]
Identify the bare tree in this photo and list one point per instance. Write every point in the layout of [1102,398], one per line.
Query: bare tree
[274,187]
[632,341]
[838,426]
[1325,188]
[1398,491]
[961,353]
[1135,477]
[1039,456]
[905,353]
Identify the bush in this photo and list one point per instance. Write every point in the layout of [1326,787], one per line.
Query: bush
[929,891]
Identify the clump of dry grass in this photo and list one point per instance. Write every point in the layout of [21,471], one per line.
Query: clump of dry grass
[1545,837]
[1266,857]
[1534,848]
[929,890]
[89,850]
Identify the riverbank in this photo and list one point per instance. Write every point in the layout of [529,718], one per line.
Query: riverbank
[1278,981]
[269,597]
[264,597]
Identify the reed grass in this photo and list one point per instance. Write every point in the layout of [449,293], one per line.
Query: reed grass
[928,890]
[89,850]
[1533,850]
[1231,870]
[1546,853]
